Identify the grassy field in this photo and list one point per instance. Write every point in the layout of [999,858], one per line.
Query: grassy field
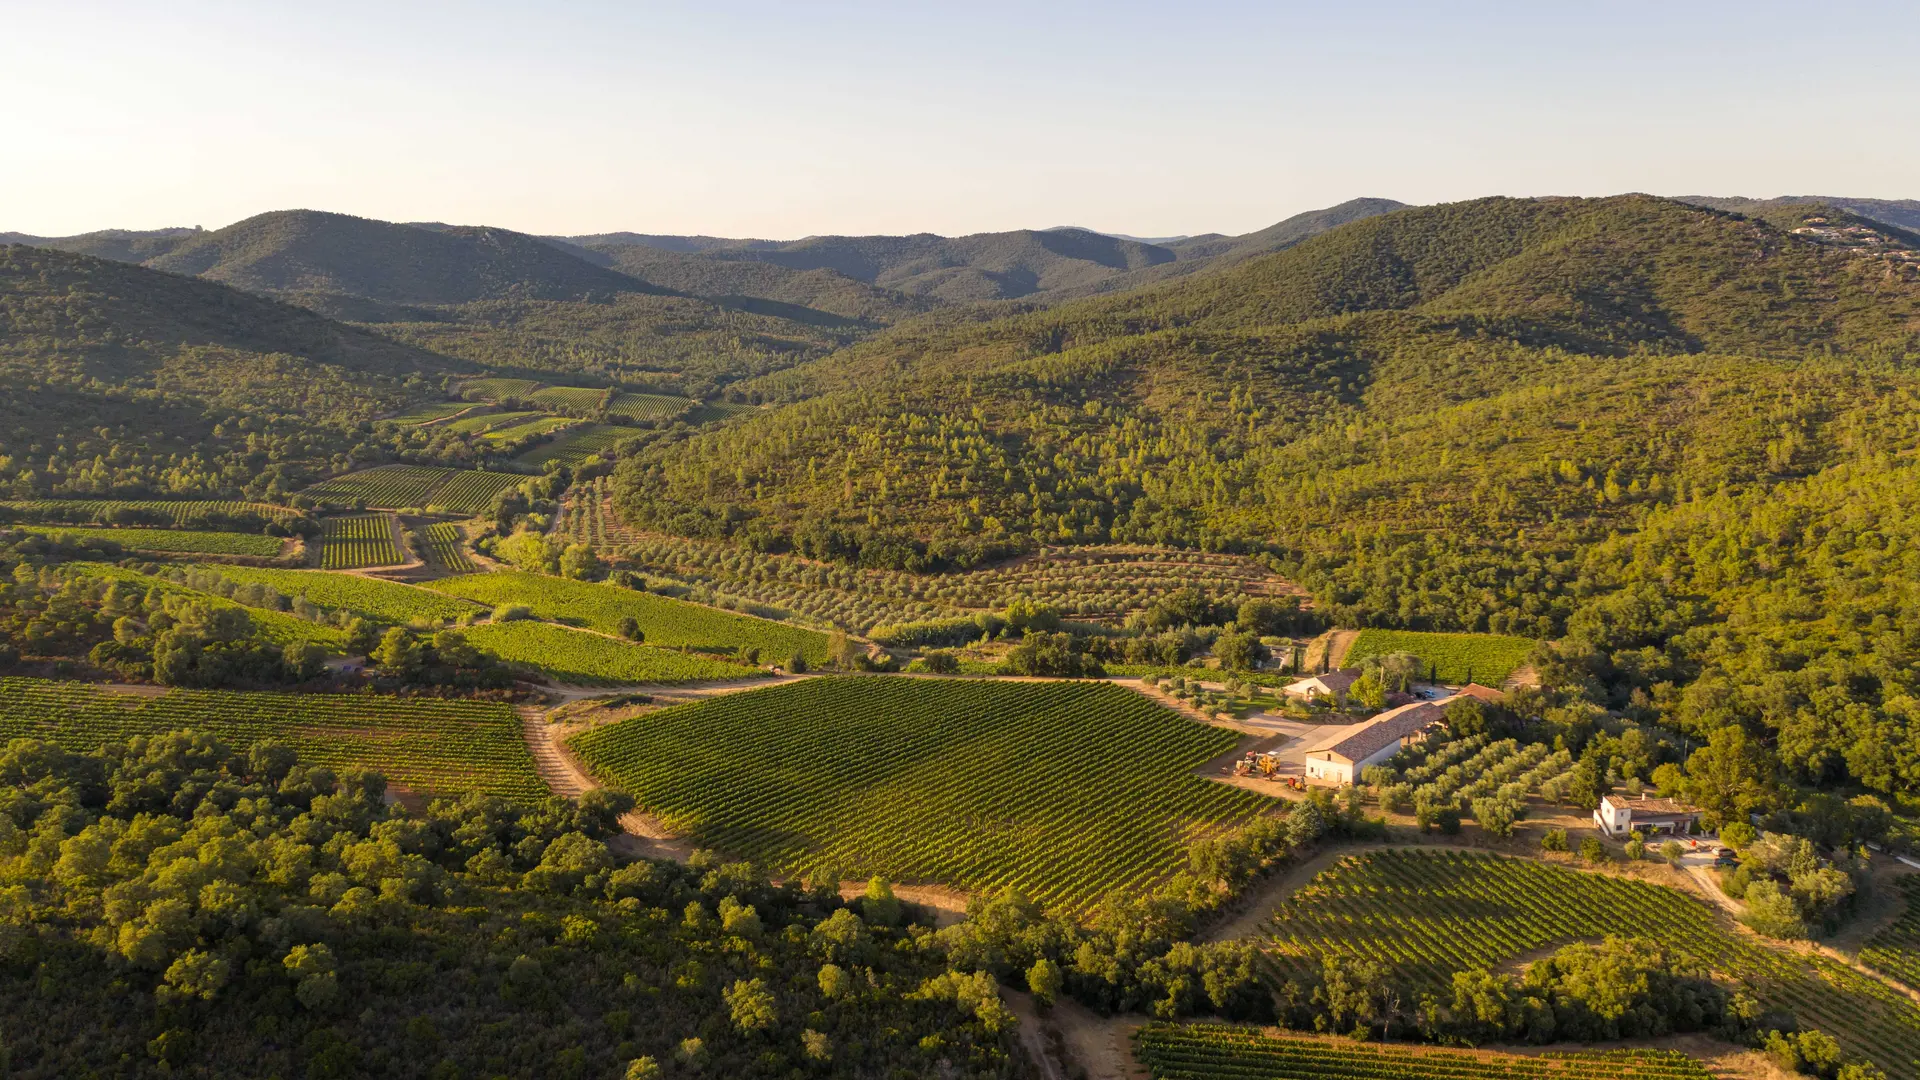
[1069,791]
[496,389]
[588,659]
[1208,1051]
[1425,915]
[539,425]
[1460,658]
[370,598]
[665,621]
[468,425]
[174,541]
[569,397]
[426,744]
[430,411]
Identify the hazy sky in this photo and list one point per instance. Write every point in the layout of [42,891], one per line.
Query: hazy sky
[784,119]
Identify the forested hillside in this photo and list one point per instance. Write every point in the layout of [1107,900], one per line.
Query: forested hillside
[1434,418]
[126,381]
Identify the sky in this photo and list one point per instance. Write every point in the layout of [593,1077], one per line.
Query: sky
[781,120]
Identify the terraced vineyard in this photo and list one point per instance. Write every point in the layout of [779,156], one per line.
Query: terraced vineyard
[175,541]
[472,492]
[584,398]
[1424,916]
[428,745]
[665,621]
[1210,1051]
[356,541]
[1895,951]
[579,444]
[645,406]
[538,425]
[445,548]
[588,659]
[496,389]
[386,602]
[481,421]
[1461,658]
[387,485]
[199,514]
[1069,791]
[431,411]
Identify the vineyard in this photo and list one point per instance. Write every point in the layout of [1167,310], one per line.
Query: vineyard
[497,389]
[645,406]
[469,492]
[386,602]
[1209,1051]
[429,412]
[665,621]
[202,514]
[1895,951]
[388,485]
[428,745]
[175,541]
[588,659]
[273,625]
[481,421]
[526,429]
[579,444]
[355,541]
[581,398]
[1423,916]
[1487,659]
[586,516]
[1071,792]
[445,548]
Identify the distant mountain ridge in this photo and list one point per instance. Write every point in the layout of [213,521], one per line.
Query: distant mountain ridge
[1900,213]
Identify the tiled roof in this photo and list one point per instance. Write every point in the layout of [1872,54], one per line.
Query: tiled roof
[1650,807]
[1389,727]
[1335,681]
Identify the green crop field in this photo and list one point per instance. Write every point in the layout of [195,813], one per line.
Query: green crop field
[430,411]
[1069,791]
[355,541]
[1483,658]
[472,492]
[194,514]
[428,745]
[386,486]
[539,425]
[481,421]
[1423,916]
[496,389]
[445,548]
[1895,951]
[569,397]
[175,541]
[387,602]
[588,659]
[579,444]
[665,621]
[1207,1051]
[277,627]
[646,406]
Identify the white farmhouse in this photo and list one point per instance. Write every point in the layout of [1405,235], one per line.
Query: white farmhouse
[1618,816]
[1374,742]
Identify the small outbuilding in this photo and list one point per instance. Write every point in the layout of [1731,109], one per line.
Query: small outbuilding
[1332,684]
[1618,816]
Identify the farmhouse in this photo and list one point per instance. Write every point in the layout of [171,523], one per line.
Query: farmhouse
[1619,816]
[1483,693]
[1374,742]
[1332,684]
